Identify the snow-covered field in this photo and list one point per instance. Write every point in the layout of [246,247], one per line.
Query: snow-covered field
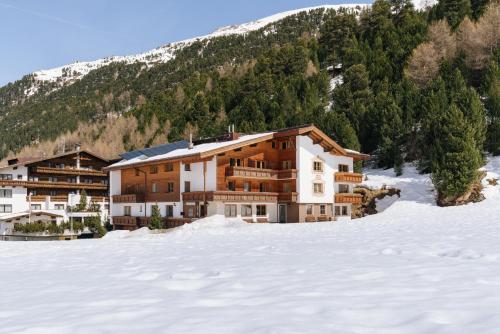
[414,268]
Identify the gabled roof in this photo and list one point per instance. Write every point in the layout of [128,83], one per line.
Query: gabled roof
[24,162]
[179,150]
[25,214]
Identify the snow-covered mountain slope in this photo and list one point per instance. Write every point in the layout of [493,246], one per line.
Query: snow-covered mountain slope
[69,73]
[414,268]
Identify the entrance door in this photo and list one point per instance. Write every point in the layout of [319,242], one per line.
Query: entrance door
[282,213]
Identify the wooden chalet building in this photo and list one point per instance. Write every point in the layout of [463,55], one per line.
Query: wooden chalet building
[34,189]
[291,175]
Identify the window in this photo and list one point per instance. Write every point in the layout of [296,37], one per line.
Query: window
[187,186]
[318,166]
[5,208]
[273,144]
[33,178]
[322,209]
[58,206]
[53,192]
[234,162]
[169,209]
[53,179]
[343,168]
[136,172]
[287,188]
[36,207]
[246,210]
[6,193]
[287,164]
[190,212]
[246,186]
[343,188]
[261,210]
[5,176]
[187,167]
[260,164]
[230,210]
[341,210]
[286,145]
[153,169]
[309,209]
[231,185]
[169,167]
[318,188]
[71,180]
[170,187]
[127,210]
[154,187]
[263,187]
[19,177]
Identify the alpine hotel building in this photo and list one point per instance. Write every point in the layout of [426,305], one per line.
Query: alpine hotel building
[291,175]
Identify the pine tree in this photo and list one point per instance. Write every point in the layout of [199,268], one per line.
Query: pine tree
[454,155]
[455,10]
[155,222]
[82,205]
[492,92]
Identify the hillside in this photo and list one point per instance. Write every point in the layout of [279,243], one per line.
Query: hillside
[62,97]
[398,82]
[413,268]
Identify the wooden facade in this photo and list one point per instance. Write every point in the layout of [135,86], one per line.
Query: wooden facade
[63,174]
[256,171]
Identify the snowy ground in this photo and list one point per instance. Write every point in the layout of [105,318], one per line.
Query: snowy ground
[414,268]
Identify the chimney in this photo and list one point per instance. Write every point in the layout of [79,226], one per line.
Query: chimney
[190,145]
[234,135]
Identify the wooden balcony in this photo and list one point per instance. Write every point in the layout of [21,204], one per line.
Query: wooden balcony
[290,197]
[68,171]
[132,223]
[348,177]
[128,198]
[127,222]
[260,173]
[53,185]
[229,196]
[348,198]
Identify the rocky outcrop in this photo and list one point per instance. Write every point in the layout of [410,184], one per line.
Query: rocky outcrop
[368,204]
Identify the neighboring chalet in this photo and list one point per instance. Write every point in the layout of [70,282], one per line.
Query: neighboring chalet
[49,189]
[291,175]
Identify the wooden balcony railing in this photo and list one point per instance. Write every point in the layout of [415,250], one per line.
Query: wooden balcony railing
[131,223]
[348,177]
[125,221]
[60,198]
[287,197]
[53,185]
[230,196]
[128,198]
[260,173]
[348,198]
[68,171]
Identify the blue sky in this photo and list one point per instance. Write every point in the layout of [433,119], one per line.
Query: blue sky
[45,34]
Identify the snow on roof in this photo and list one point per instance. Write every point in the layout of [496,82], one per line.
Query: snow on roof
[183,152]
